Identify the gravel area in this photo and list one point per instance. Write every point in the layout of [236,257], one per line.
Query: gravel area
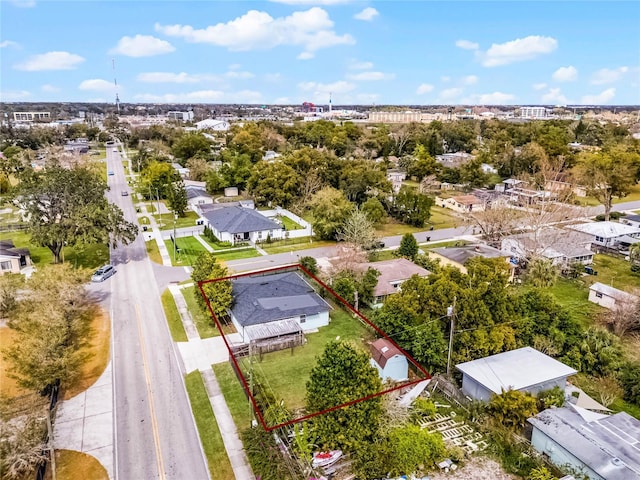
[477,468]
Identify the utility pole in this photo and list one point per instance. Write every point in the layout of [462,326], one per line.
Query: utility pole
[451,313]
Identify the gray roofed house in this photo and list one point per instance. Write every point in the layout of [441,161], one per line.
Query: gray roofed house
[237,224]
[607,447]
[561,246]
[197,195]
[524,369]
[12,259]
[392,274]
[458,256]
[610,297]
[633,220]
[282,302]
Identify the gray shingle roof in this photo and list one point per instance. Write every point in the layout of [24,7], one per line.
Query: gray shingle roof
[609,446]
[239,220]
[193,192]
[269,298]
[8,249]
[462,254]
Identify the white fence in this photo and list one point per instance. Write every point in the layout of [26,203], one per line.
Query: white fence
[305,231]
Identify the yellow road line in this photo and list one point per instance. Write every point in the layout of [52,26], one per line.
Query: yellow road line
[147,377]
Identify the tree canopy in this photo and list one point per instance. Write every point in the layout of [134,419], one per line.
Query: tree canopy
[207,267]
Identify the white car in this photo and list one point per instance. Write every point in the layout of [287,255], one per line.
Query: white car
[103,273]
[115,150]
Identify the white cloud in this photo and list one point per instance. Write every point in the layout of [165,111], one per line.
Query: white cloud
[367,14]
[97,85]
[14,95]
[450,93]
[554,95]
[8,43]
[517,50]
[367,97]
[356,65]
[470,80]
[605,75]
[49,88]
[445,79]
[338,87]
[310,29]
[234,66]
[601,98]
[238,75]
[424,88]
[305,56]
[142,46]
[311,2]
[273,77]
[495,98]
[23,3]
[467,45]
[565,74]
[167,77]
[370,76]
[50,61]
[203,96]
[539,86]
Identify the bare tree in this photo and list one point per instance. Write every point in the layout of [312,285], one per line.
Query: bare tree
[312,183]
[358,230]
[623,319]
[608,390]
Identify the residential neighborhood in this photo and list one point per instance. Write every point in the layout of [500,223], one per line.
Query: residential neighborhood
[301,241]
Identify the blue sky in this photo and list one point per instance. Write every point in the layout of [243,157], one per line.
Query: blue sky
[290,51]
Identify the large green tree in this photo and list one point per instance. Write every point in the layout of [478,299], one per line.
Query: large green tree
[411,207]
[177,197]
[330,208]
[273,184]
[219,294]
[607,174]
[408,246]
[189,145]
[67,207]
[343,374]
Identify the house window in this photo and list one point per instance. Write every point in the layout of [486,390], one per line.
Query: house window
[600,239]
[259,234]
[303,318]
[5,265]
[598,295]
[514,249]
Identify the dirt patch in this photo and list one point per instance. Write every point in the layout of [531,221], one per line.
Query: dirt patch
[8,386]
[477,468]
[98,350]
[72,465]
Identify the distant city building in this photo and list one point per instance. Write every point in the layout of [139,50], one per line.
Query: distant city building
[211,124]
[533,112]
[182,116]
[31,116]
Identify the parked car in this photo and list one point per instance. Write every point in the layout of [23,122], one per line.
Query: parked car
[376,245]
[103,273]
[110,173]
[125,193]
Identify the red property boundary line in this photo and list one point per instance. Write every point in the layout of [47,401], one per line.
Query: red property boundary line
[245,384]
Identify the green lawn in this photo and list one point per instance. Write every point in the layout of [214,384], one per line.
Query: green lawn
[294,244]
[237,254]
[87,256]
[153,251]
[287,372]
[165,220]
[143,220]
[574,296]
[238,403]
[615,272]
[216,245]
[203,321]
[443,218]
[212,444]
[451,243]
[392,228]
[189,249]
[288,223]
[173,317]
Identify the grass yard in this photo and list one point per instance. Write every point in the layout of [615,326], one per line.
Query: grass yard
[237,254]
[203,321]
[452,243]
[574,296]
[87,256]
[633,196]
[216,245]
[393,227]
[153,251]
[72,465]
[210,437]
[287,372]
[615,272]
[165,220]
[443,218]
[8,386]
[98,354]
[143,220]
[173,317]
[294,244]
[238,403]
[288,223]
[189,249]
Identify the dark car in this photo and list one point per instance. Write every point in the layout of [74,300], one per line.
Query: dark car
[376,245]
[103,273]
[125,193]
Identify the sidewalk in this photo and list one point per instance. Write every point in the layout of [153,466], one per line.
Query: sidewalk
[200,354]
[157,234]
[84,423]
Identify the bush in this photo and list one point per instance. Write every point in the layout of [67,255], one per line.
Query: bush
[310,264]
[612,216]
[630,381]
[551,398]
[264,455]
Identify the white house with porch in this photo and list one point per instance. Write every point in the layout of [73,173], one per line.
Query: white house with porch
[237,224]
[276,306]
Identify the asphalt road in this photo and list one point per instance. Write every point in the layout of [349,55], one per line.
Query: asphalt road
[155,435]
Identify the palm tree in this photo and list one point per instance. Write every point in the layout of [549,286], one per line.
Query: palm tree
[542,272]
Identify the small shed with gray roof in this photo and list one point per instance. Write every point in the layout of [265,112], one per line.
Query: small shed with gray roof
[602,447]
[276,305]
[609,297]
[238,224]
[524,369]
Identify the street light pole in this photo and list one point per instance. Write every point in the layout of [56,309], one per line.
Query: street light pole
[175,217]
[451,313]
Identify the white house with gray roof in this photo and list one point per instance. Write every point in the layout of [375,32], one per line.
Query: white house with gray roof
[237,224]
[602,447]
[276,305]
[525,369]
[561,246]
[610,234]
[197,195]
